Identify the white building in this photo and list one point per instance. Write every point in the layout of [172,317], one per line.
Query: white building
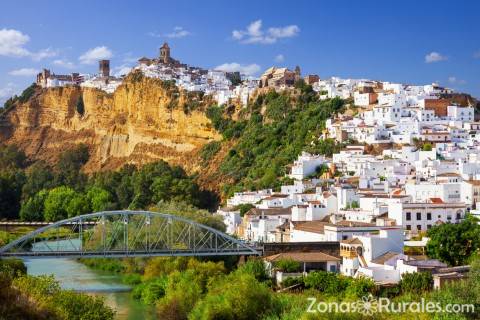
[305,165]
[421,216]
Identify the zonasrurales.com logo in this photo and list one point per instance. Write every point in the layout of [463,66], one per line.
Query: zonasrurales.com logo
[369,305]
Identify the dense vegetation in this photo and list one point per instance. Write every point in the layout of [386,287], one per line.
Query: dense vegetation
[38,191]
[269,134]
[27,297]
[454,244]
[188,288]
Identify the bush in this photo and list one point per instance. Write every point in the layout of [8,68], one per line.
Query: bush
[255,267]
[151,291]
[13,267]
[27,93]
[360,287]
[210,150]
[291,281]
[238,296]
[288,265]
[244,208]
[46,292]
[327,282]
[417,282]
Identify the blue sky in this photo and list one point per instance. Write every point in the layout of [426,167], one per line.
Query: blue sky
[416,42]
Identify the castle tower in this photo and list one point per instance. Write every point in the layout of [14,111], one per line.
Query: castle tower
[104,68]
[165,53]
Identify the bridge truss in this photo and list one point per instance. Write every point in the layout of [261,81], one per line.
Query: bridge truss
[125,234]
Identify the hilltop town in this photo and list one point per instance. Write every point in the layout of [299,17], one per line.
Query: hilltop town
[410,161]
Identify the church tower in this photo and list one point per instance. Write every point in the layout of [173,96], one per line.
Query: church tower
[104,68]
[165,53]
[298,73]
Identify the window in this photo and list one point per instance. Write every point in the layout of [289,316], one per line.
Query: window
[429,216]
[459,215]
[333,268]
[429,226]
[449,217]
[408,227]
[419,216]
[409,216]
[419,227]
[344,237]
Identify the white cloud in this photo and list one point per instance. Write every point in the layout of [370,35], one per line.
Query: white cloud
[64,64]
[248,70]
[12,43]
[279,58]
[434,57]
[44,53]
[121,70]
[454,80]
[178,32]
[93,55]
[6,93]
[255,34]
[23,72]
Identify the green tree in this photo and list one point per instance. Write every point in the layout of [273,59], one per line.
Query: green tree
[11,182]
[69,167]
[427,146]
[33,208]
[39,176]
[288,265]
[454,243]
[63,202]
[100,199]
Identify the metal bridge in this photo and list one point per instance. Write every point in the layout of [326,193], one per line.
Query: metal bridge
[125,234]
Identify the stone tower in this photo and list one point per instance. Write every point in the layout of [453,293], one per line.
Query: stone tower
[165,53]
[104,68]
[298,73]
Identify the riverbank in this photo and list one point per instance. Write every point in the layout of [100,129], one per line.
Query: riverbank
[74,275]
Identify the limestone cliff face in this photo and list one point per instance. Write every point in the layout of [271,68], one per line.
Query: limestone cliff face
[144,120]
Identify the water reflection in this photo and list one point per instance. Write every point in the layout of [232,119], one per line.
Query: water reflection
[76,276]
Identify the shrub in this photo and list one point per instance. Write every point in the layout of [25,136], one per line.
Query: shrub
[360,287]
[288,265]
[291,281]
[417,282]
[327,282]
[210,150]
[238,296]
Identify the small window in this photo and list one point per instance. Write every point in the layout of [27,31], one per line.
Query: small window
[409,216]
[429,226]
[419,216]
[408,227]
[429,216]
[419,227]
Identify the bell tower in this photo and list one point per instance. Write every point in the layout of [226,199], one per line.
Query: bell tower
[165,53]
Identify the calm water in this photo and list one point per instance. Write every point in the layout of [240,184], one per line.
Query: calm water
[74,275]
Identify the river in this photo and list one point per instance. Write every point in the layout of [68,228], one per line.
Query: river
[76,276]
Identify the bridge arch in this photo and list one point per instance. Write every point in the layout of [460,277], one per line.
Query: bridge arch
[125,233]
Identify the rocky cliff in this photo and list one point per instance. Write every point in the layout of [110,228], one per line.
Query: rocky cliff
[142,121]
